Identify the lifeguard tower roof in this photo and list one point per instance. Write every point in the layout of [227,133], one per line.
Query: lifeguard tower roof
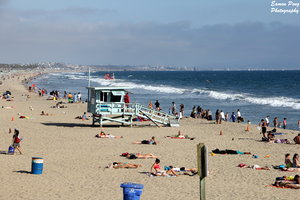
[110,88]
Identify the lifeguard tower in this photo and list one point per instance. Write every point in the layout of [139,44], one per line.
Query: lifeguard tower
[107,105]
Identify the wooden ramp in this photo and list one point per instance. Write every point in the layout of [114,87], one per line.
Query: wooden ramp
[124,114]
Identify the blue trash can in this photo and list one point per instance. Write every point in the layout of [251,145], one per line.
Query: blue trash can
[37,165]
[132,191]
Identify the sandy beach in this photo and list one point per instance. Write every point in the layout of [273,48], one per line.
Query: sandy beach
[75,161]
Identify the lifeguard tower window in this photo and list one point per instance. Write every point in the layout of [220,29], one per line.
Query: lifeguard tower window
[115,98]
[103,96]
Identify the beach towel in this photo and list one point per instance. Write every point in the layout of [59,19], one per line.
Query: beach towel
[274,186]
[278,134]
[170,137]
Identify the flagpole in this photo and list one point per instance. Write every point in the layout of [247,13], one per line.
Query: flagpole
[89,77]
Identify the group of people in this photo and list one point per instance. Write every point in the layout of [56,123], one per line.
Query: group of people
[199,112]
[276,122]
[292,164]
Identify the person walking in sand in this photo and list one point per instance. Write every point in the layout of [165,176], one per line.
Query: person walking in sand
[16,141]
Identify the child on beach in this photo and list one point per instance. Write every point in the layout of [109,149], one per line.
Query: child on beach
[16,141]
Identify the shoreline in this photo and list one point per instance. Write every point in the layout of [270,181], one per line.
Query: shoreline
[74,160]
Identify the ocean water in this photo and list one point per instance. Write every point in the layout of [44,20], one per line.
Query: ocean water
[256,93]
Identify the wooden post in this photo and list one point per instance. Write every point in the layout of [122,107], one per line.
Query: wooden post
[202,167]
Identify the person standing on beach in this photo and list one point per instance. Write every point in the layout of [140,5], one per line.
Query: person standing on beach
[226,117]
[150,105]
[239,116]
[75,98]
[222,115]
[232,117]
[209,114]
[181,111]
[264,128]
[173,108]
[218,116]
[275,122]
[267,121]
[126,98]
[299,124]
[284,123]
[16,141]
[157,104]
[79,97]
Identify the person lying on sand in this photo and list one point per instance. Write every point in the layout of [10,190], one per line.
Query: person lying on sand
[151,141]
[107,135]
[294,184]
[157,171]
[228,151]
[138,155]
[118,165]
[179,136]
[184,170]
[257,167]
[44,114]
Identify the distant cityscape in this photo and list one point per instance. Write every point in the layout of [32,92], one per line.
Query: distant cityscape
[55,66]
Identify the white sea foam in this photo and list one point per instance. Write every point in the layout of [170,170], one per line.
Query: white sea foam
[158,88]
[271,101]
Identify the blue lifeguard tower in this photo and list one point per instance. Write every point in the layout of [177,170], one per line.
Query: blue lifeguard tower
[107,105]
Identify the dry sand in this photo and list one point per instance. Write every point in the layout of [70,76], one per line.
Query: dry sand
[74,160]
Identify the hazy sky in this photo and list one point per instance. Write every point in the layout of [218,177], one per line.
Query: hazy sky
[204,33]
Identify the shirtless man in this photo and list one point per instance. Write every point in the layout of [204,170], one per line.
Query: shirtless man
[297,139]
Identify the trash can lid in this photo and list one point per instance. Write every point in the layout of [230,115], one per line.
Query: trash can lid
[132,185]
[37,158]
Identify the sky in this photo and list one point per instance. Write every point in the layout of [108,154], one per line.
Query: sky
[198,33]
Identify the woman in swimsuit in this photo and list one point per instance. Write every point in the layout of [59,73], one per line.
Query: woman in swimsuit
[156,170]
